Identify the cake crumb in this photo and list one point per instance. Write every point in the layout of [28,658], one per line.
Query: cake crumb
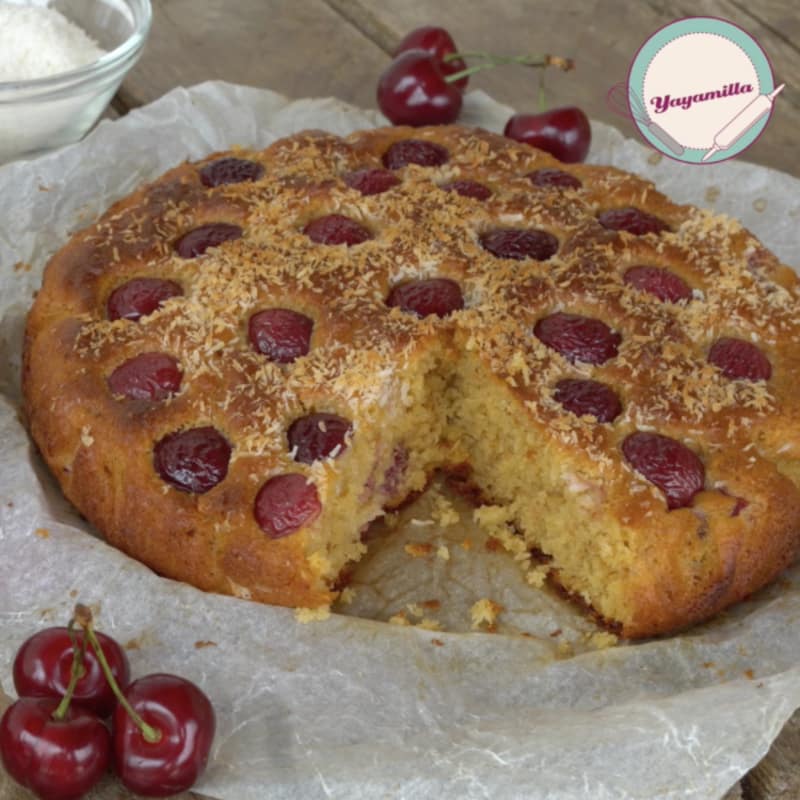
[431,605]
[428,624]
[444,513]
[306,615]
[42,533]
[437,642]
[466,544]
[749,674]
[443,552]
[399,618]
[347,595]
[415,610]
[564,649]
[22,266]
[418,549]
[199,645]
[485,611]
[537,576]
[87,440]
[602,640]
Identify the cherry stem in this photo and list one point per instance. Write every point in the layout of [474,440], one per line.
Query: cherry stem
[491,61]
[76,673]
[84,618]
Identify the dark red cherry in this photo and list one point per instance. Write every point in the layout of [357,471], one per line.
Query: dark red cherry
[439,43]
[185,719]
[43,665]
[139,297]
[336,229]
[473,189]
[588,397]
[197,241]
[563,132]
[318,436]
[663,284]
[554,178]
[412,91]
[578,338]
[150,376]
[280,334]
[632,220]
[371,181]
[285,504]
[194,460]
[415,151]
[739,359]
[437,296]
[518,243]
[667,463]
[230,170]
[55,759]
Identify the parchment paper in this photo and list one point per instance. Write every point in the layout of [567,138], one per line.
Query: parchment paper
[352,707]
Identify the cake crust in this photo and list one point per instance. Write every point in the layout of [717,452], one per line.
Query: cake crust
[653,569]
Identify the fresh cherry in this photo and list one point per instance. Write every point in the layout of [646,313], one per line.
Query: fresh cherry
[282,335]
[412,90]
[197,241]
[661,283]
[371,181]
[193,460]
[583,397]
[57,759]
[139,297]
[473,189]
[182,718]
[439,43]
[43,665]
[740,360]
[439,296]
[563,132]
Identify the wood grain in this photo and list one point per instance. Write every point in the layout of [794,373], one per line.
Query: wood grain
[302,49]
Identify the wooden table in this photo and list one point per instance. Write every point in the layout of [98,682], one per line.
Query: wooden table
[308,48]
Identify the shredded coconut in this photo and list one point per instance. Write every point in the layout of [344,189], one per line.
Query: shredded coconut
[36,42]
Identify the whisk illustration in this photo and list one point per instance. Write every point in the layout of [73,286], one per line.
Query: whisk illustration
[625,102]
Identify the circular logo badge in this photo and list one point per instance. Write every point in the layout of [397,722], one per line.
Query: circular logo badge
[701,90]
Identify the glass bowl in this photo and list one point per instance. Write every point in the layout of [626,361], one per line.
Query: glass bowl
[42,114]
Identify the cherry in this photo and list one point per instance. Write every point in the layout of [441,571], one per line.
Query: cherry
[439,43]
[472,189]
[230,170]
[282,335]
[554,178]
[519,244]
[193,460]
[667,463]
[739,359]
[318,436]
[336,229]
[371,181]
[588,397]
[632,220]
[196,242]
[412,90]
[415,151]
[663,284]
[396,471]
[285,503]
[150,376]
[437,296]
[43,666]
[57,759]
[578,338]
[183,719]
[563,132]
[139,297]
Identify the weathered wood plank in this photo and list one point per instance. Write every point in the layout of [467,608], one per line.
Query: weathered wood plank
[602,36]
[302,49]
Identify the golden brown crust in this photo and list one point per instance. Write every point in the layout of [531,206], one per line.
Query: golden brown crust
[699,559]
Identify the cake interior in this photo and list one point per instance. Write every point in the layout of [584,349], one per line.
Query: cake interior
[451,412]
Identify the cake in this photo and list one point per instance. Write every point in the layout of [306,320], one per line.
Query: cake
[241,365]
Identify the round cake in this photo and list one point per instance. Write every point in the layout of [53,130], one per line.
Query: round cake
[241,365]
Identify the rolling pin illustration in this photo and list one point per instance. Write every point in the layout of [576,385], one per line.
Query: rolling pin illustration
[625,102]
[743,121]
